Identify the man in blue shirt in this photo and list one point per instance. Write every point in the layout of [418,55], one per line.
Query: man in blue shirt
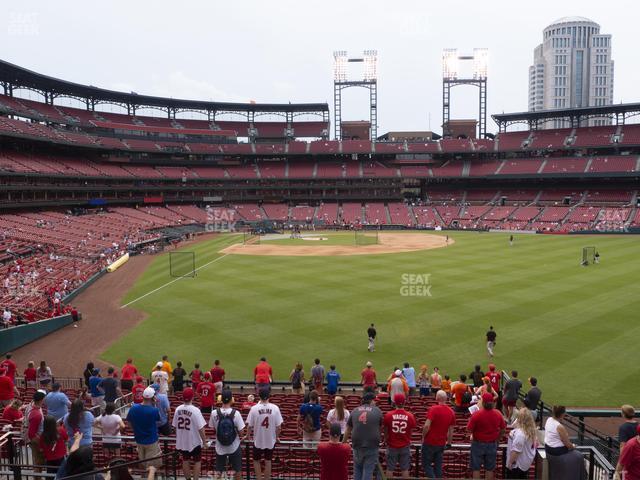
[57,402]
[144,418]
[333,379]
[309,421]
[409,375]
[96,391]
[164,409]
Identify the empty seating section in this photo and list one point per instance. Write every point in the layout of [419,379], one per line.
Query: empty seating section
[456,145]
[525,214]
[375,214]
[302,213]
[519,195]
[483,145]
[400,214]
[479,195]
[351,213]
[265,149]
[330,170]
[241,171]
[301,169]
[484,168]
[414,171]
[559,195]
[553,214]
[208,172]
[451,168]
[520,166]
[356,146]
[593,136]
[383,147]
[511,140]
[565,165]
[445,195]
[352,169]
[276,211]
[473,212]
[327,213]
[498,213]
[631,134]
[297,148]
[613,164]
[426,216]
[249,211]
[609,196]
[324,147]
[272,169]
[371,168]
[432,147]
[447,213]
[549,139]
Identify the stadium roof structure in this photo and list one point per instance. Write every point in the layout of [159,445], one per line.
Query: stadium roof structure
[13,77]
[619,113]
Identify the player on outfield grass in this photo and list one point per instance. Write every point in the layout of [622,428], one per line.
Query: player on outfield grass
[372,333]
[491,340]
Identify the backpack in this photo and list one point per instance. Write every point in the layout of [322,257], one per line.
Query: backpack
[296,379]
[226,432]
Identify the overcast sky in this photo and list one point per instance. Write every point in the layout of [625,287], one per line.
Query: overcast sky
[280,51]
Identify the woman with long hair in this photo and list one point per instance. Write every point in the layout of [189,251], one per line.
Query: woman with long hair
[297,379]
[44,375]
[53,443]
[79,420]
[88,372]
[339,414]
[522,444]
[424,381]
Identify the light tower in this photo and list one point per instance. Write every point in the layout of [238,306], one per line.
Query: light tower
[451,78]
[341,81]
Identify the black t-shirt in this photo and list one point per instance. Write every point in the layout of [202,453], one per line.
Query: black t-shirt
[109,385]
[532,398]
[179,374]
[371,332]
[476,377]
[511,389]
[627,431]
[491,336]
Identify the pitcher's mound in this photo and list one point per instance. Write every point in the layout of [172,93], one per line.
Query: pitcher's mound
[387,243]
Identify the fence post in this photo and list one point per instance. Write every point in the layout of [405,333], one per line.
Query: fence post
[610,449]
[11,450]
[166,475]
[592,466]
[418,457]
[247,459]
[581,431]
[541,413]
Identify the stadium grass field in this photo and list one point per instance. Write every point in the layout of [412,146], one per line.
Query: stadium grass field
[575,328]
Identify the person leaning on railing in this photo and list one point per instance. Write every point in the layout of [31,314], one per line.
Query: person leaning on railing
[556,437]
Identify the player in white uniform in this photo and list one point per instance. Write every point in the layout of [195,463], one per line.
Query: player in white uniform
[264,422]
[189,424]
[161,378]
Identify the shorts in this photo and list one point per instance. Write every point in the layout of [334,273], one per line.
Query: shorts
[399,456]
[262,453]
[194,455]
[38,456]
[218,386]
[483,453]
[234,459]
[509,403]
[150,451]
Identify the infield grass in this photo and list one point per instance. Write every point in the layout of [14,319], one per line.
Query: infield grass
[575,328]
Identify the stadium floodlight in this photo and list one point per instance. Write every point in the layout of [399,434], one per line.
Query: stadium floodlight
[480,63]
[450,63]
[340,65]
[370,65]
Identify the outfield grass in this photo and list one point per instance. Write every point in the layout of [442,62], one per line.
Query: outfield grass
[575,328]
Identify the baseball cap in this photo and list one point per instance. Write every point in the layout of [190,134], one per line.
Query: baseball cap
[96,371]
[487,398]
[264,393]
[369,364]
[187,394]
[149,392]
[159,364]
[207,374]
[138,379]
[335,430]
[399,399]
[398,372]
[227,395]
[39,395]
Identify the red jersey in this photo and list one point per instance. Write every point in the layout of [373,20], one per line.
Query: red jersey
[263,373]
[494,379]
[217,374]
[30,374]
[196,376]
[630,459]
[136,391]
[442,417]
[10,366]
[206,391]
[58,450]
[11,414]
[398,424]
[6,388]
[129,371]
[485,425]
[334,461]
[35,420]
[369,377]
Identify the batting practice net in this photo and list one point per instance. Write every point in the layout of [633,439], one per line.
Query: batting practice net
[366,237]
[588,255]
[182,264]
[251,238]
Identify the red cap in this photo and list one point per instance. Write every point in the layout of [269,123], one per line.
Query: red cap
[492,367]
[487,398]
[399,399]
[207,375]
[187,394]
[138,379]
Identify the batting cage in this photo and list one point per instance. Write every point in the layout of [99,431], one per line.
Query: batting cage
[588,255]
[366,237]
[182,264]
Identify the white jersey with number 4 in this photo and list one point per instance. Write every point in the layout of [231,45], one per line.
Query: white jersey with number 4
[188,421]
[264,419]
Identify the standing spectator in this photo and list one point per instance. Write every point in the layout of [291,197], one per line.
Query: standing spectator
[138,389]
[424,381]
[263,375]
[627,430]
[399,424]
[487,427]
[368,377]
[397,385]
[248,403]
[190,436]
[53,444]
[88,373]
[57,402]
[97,394]
[494,377]
[409,374]
[109,385]
[476,376]
[128,373]
[206,393]
[533,396]
[7,389]
[30,375]
[195,376]
[143,420]
[510,394]
[333,380]
[79,420]
[160,377]
[309,421]
[338,415]
[6,317]
[630,459]
[491,340]
[264,423]
[317,375]
[13,411]
[10,366]
[44,375]
[461,394]
[436,434]
[522,445]
[228,425]
[371,334]
[35,424]
[334,456]
[166,367]
[556,437]
[112,426]
[178,377]
[164,410]
[297,379]
[217,376]
[363,429]
[436,380]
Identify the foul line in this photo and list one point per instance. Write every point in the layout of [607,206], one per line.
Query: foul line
[172,281]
